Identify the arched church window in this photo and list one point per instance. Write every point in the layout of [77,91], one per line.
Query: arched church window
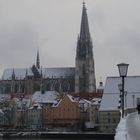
[82,51]
[56,86]
[48,86]
[84,69]
[7,88]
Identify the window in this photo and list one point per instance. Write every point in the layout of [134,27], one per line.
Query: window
[106,127]
[108,114]
[84,69]
[114,121]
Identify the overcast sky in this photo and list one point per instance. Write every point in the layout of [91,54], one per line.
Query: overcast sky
[52,26]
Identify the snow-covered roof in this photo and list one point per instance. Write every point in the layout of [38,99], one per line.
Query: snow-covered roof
[111,95]
[72,98]
[56,104]
[35,106]
[4,97]
[84,101]
[58,72]
[47,97]
[20,73]
[94,101]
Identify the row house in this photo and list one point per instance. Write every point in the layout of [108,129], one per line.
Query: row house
[89,112]
[64,113]
[51,109]
[34,117]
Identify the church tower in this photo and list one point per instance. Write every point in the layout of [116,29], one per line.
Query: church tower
[84,70]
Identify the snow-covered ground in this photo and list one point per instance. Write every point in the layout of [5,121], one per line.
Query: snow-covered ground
[129,128]
[121,133]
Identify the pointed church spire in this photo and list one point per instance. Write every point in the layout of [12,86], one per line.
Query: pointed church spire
[41,73]
[26,72]
[13,83]
[84,72]
[13,74]
[38,60]
[84,31]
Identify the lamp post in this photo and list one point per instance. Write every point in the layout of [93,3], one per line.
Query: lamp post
[120,99]
[125,99]
[123,73]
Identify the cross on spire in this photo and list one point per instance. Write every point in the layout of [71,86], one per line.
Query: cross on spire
[83,3]
[84,31]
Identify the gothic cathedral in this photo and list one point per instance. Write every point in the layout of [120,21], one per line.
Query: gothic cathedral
[80,78]
[84,69]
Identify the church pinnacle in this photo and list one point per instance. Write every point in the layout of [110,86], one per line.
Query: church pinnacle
[84,32]
[38,60]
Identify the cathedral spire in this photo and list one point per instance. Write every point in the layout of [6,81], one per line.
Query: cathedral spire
[38,60]
[84,31]
[84,71]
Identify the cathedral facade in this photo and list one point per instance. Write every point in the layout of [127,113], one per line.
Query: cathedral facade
[80,78]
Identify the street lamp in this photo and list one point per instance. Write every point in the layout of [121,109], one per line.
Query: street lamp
[123,73]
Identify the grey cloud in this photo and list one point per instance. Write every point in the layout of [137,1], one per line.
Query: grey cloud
[17,44]
[53,26]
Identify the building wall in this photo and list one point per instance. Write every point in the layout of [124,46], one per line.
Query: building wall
[30,84]
[89,115]
[20,118]
[34,118]
[130,110]
[66,113]
[93,113]
[108,121]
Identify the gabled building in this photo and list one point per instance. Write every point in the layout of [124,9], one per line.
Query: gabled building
[89,112]
[65,113]
[109,113]
[34,117]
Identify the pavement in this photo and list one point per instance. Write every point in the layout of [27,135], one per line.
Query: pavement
[133,126]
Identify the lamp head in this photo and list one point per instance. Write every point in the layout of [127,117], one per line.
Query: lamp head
[123,67]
